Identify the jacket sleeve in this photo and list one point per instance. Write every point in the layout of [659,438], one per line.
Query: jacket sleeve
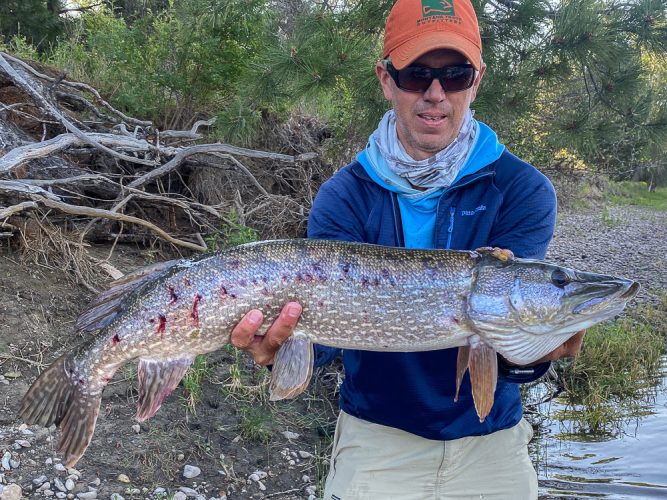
[333,218]
[525,225]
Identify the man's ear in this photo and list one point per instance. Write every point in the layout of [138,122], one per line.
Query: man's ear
[385,81]
[478,80]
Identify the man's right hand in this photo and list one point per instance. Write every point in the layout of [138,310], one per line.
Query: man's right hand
[264,347]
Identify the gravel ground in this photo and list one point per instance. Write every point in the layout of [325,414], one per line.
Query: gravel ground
[626,241]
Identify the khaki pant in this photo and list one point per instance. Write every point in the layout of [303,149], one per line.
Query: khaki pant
[374,462]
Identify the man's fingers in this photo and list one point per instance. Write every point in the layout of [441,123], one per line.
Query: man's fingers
[282,327]
[243,334]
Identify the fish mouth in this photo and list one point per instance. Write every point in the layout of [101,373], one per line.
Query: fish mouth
[604,294]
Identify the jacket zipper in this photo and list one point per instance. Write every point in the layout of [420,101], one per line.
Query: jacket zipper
[450,229]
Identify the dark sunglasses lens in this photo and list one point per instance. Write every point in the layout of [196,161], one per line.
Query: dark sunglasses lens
[419,79]
[457,78]
[414,79]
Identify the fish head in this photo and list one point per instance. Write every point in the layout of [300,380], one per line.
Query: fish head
[527,308]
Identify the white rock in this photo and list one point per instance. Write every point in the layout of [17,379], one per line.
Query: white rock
[23,443]
[312,497]
[69,484]
[88,495]
[48,461]
[123,478]
[291,435]
[179,495]
[305,478]
[188,492]
[159,491]
[47,493]
[38,481]
[61,494]
[261,474]
[14,463]
[305,454]
[45,486]
[23,427]
[95,482]
[136,428]
[311,490]
[190,471]
[180,457]
[73,472]
[5,461]
[59,485]
[59,467]
[11,492]
[116,496]
[261,486]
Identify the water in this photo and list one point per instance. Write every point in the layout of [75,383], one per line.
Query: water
[630,465]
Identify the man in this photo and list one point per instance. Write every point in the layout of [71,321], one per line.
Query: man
[431,176]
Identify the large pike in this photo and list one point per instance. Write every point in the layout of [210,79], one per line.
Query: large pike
[354,296]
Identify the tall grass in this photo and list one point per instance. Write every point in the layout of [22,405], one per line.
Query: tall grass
[637,193]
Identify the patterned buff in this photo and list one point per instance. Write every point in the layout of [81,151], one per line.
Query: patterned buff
[437,171]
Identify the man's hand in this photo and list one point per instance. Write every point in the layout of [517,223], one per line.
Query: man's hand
[570,347]
[264,347]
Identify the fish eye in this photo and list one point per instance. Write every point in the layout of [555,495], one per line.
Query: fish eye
[560,278]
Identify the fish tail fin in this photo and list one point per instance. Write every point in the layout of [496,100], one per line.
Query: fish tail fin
[292,367]
[55,399]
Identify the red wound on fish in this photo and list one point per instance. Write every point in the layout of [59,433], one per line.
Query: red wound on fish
[162,324]
[195,310]
[223,292]
[115,340]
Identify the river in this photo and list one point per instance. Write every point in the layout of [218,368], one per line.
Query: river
[629,465]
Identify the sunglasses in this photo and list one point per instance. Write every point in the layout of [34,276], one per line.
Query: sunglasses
[419,78]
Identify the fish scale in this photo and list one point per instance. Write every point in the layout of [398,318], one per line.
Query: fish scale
[354,296]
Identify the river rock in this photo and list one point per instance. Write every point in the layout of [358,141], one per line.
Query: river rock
[88,495]
[5,461]
[69,485]
[123,478]
[190,471]
[38,481]
[179,495]
[59,485]
[11,492]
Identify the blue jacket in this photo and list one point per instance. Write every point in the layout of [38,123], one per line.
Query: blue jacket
[507,204]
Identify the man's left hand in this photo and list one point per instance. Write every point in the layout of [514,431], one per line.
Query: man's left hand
[570,347]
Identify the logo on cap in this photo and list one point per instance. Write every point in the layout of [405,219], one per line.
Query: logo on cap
[437,8]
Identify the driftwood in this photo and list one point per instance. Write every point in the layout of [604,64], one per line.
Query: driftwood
[120,178]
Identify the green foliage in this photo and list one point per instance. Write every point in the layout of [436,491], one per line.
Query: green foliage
[36,21]
[230,235]
[198,372]
[638,193]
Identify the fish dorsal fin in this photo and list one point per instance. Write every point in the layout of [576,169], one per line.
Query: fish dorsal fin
[292,367]
[157,379]
[501,254]
[483,366]
[104,308]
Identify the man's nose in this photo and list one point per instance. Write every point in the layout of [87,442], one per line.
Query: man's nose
[435,92]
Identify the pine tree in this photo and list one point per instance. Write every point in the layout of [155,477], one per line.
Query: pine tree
[38,21]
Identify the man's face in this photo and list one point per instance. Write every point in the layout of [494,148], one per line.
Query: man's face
[427,122]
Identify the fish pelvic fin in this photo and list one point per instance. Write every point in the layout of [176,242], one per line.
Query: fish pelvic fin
[292,367]
[55,398]
[462,363]
[483,377]
[157,379]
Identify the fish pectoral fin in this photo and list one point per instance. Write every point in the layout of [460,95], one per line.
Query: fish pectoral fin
[483,377]
[462,362]
[292,367]
[157,379]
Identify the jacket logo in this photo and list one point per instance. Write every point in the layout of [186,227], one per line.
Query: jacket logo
[480,208]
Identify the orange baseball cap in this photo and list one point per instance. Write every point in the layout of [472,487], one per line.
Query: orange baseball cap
[415,27]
